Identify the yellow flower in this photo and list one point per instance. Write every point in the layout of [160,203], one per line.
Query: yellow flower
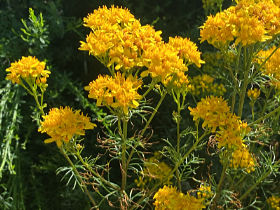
[117,39]
[241,158]
[212,110]
[203,85]
[29,69]
[156,169]
[118,92]
[272,66]
[112,16]
[162,60]
[274,202]
[216,115]
[248,22]
[204,191]
[187,50]
[253,94]
[63,123]
[168,198]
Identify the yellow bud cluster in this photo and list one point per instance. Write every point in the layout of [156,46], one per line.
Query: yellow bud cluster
[228,127]
[205,192]
[169,198]
[241,158]
[274,202]
[203,85]
[272,65]
[253,94]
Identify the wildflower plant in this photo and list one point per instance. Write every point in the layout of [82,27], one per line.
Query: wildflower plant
[139,62]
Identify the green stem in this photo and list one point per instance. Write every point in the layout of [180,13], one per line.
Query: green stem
[153,114]
[95,173]
[149,89]
[258,182]
[234,78]
[178,137]
[245,82]
[146,126]
[266,116]
[37,102]
[220,185]
[124,162]
[83,186]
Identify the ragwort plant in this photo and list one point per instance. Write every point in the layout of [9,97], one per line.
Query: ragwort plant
[246,38]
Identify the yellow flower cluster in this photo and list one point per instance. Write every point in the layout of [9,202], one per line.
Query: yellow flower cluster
[169,61]
[203,85]
[187,50]
[162,60]
[205,192]
[272,65]
[216,114]
[117,39]
[274,202]
[241,158]
[228,127]
[116,92]
[156,169]
[29,69]
[63,123]
[253,94]
[248,22]
[168,198]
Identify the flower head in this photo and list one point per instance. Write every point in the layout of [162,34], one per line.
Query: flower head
[63,123]
[274,202]
[170,198]
[162,60]
[117,39]
[241,158]
[217,116]
[271,67]
[187,50]
[253,94]
[247,23]
[28,69]
[116,92]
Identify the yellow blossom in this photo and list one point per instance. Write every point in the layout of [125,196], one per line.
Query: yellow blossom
[216,116]
[241,158]
[162,60]
[247,23]
[272,65]
[168,198]
[29,69]
[253,94]
[203,85]
[212,110]
[117,92]
[204,191]
[187,50]
[274,202]
[63,123]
